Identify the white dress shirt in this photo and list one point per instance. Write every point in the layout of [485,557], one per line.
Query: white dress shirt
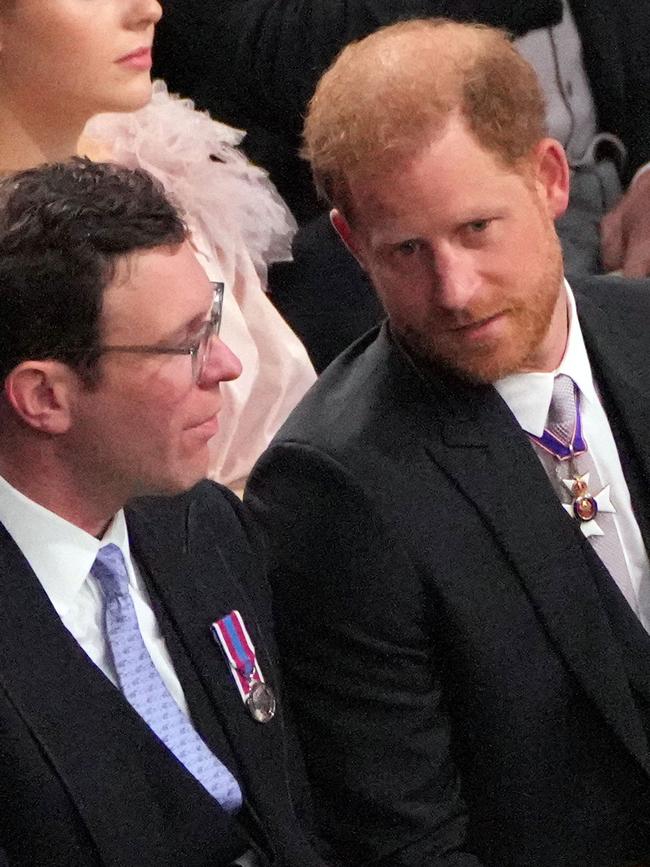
[61,555]
[528,396]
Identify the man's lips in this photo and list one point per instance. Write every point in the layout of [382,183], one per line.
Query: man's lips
[475,323]
[477,328]
[208,427]
[138,59]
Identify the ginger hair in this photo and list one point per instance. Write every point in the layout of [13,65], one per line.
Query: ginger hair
[388,95]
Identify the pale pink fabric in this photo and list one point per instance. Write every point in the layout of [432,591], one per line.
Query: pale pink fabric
[239,225]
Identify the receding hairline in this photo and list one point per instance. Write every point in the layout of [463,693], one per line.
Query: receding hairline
[453,45]
[456,65]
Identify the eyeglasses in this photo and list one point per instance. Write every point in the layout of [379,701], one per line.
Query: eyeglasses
[198,350]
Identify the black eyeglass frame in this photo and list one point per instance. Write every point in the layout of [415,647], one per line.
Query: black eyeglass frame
[199,350]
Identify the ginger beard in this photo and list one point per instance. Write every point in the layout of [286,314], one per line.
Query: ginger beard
[528,312]
[462,249]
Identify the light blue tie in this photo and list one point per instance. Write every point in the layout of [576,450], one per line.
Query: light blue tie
[144,688]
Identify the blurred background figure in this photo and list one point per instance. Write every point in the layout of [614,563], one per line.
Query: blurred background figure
[64,62]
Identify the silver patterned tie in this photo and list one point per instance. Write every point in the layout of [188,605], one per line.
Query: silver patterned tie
[144,688]
[578,485]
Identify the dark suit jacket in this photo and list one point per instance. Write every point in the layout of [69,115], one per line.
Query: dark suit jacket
[256,64]
[83,781]
[461,695]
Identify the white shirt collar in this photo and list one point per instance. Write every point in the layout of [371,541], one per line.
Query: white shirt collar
[60,553]
[528,395]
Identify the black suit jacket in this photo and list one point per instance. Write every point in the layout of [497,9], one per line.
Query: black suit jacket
[461,695]
[83,781]
[256,64]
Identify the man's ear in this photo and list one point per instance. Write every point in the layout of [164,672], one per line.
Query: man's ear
[552,175]
[41,394]
[346,234]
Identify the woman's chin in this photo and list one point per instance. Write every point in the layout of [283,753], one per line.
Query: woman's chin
[131,98]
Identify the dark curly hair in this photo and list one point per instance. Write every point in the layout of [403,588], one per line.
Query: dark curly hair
[63,229]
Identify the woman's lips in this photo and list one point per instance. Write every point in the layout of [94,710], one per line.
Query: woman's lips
[139,59]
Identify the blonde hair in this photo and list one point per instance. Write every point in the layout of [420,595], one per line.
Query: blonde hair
[389,94]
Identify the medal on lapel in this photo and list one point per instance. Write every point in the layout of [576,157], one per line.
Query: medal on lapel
[584,505]
[232,635]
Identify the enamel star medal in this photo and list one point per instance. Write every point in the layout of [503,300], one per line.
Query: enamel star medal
[584,505]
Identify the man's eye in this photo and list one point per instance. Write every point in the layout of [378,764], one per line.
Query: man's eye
[478,225]
[408,248]
[191,343]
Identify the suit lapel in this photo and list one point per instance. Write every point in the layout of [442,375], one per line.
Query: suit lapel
[618,351]
[490,458]
[196,585]
[86,730]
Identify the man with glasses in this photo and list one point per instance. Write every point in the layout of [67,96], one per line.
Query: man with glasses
[140,721]
[198,349]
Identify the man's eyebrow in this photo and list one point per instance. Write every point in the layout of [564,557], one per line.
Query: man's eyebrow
[186,329]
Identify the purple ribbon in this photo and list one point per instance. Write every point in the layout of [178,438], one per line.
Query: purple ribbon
[563,451]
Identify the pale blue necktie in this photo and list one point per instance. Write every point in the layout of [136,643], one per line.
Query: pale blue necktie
[144,688]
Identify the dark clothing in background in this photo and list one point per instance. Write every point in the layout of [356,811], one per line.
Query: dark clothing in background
[255,63]
[324,294]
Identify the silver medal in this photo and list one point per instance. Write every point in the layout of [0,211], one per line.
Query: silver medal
[261,702]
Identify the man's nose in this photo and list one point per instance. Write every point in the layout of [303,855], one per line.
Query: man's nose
[221,365]
[456,277]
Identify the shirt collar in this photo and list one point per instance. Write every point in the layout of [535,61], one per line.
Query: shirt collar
[528,395]
[60,553]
